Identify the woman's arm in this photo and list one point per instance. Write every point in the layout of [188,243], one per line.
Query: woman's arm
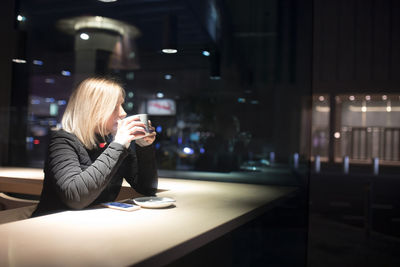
[140,170]
[78,188]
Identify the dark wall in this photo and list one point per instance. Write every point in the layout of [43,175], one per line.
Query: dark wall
[356,46]
[7,15]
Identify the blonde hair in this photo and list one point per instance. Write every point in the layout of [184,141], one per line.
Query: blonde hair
[89,107]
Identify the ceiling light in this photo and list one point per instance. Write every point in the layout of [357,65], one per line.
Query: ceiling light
[168,76]
[19,61]
[160,95]
[21,18]
[84,36]
[384,97]
[170,35]
[351,98]
[169,50]
[206,53]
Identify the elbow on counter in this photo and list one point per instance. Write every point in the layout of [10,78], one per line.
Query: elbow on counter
[75,197]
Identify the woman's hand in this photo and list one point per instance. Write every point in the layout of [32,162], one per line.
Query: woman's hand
[129,129]
[148,139]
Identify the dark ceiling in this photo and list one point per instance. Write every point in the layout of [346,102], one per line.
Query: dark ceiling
[245,34]
[147,15]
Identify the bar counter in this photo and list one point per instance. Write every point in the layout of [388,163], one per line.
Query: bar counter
[99,236]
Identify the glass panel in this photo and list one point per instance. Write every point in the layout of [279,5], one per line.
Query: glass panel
[370,126]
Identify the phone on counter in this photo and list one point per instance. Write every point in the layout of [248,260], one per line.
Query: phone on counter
[121,206]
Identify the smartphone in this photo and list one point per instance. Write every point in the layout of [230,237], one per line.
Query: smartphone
[121,206]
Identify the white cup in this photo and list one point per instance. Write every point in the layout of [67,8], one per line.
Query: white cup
[143,118]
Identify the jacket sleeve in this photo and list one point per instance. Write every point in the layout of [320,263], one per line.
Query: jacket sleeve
[78,188]
[140,170]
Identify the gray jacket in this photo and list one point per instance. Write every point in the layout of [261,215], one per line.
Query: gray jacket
[76,177]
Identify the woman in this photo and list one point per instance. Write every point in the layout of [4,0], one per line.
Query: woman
[82,168]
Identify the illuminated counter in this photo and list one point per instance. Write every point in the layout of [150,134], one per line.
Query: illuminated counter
[203,212]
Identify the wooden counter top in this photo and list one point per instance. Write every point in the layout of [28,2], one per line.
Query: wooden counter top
[203,212]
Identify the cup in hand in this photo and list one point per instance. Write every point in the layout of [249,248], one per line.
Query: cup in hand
[145,121]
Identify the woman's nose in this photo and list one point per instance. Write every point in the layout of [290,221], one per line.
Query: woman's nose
[122,113]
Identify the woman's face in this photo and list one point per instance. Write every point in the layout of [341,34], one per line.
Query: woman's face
[118,114]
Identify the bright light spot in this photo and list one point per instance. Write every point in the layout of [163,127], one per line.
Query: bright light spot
[336,135]
[202,150]
[168,76]
[159,129]
[188,150]
[368,97]
[241,100]
[36,141]
[84,36]
[21,18]
[388,108]
[19,61]
[364,109]
[29,139]
[107,1]
[61,102]
[66,73]
[130,94]
[169,51]
[160,95]
[49,100]
[351,98]
[205,53]
[384,97]
[321,98]
[37,62]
